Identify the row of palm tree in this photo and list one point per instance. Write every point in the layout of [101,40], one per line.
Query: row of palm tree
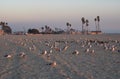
[85,24]
[3,23]
[46,29]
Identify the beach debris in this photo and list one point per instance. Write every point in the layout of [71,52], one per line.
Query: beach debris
[8,56]
[76,52]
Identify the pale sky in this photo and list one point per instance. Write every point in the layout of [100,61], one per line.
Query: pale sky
[55,13]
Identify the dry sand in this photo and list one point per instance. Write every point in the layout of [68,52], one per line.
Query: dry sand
[60,56]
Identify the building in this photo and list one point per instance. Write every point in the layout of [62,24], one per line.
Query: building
[1,32]
[95,32]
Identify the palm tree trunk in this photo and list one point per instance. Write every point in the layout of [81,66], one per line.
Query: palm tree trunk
[98,26]
[82,27]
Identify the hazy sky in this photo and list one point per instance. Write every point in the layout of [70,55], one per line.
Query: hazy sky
[55,13]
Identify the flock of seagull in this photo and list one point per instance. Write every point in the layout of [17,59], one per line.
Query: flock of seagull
[88,45]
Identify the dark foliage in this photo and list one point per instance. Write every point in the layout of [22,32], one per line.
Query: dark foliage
[6,28]
[33,31]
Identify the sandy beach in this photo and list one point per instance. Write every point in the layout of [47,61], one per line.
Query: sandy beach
[60,56]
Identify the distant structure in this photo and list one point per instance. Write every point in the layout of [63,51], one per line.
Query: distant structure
[4,28]
[95,32]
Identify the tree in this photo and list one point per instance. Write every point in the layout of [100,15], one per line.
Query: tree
[96,24]
[6,23]
[29,30]
[33,31]
[68,26]
[6,28]
[87,25]
[83,22]
[98,19]
[42,28]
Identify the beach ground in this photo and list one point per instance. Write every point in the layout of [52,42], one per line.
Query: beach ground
[60,56]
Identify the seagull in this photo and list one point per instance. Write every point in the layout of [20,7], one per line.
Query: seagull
[106,48]
[113,49]
[65,48]
[76,52]
[8,56]
[45,52]
[48,56]
[51,51]
[83,46]
[53,64]
[87,50]
[90,46]
[22,54]
[93,51]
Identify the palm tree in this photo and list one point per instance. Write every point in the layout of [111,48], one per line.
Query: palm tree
[1,23]
[42,28]
[83,22]
[46,28]
[98,19]
[68,26]
[6,23]
[87,25]
[95,24]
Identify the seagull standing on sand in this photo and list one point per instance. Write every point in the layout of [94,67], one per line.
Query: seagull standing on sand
[93,51]
[53,64]
[76,52]
[22,54]
[8,56]
[44,52]
[87,50]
